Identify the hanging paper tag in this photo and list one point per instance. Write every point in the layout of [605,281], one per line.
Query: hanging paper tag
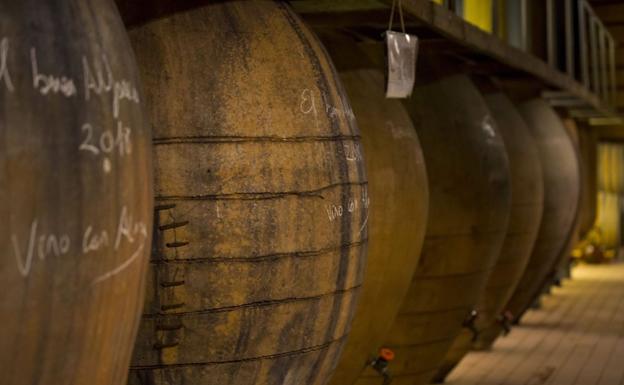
[401,52]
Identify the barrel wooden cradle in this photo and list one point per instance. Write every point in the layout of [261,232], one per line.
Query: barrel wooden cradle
[398,211]
[526,212]
[468,214]
[262,203]
[561,196]
[75,194]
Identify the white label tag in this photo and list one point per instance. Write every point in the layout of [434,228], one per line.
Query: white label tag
[402,50]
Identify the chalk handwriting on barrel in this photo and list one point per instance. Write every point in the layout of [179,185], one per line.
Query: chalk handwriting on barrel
[99,79]
[307,105]
[5,77]
[352,151]
[48,83]
[336,211]
[45,244]
[106,141]
[400,132]
[93,240]
[131,231]
[42,244]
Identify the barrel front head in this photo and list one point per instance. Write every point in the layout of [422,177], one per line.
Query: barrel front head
[261,200]
[75,194]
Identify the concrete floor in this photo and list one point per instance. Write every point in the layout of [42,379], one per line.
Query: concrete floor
[576,338]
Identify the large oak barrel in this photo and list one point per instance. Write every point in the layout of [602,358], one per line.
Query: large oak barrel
[469,195]
[611,167]
[608,221]
[398,214]
[75,194]
[560,171]
[526,212]
[261,201]
[561,268]
[610,187]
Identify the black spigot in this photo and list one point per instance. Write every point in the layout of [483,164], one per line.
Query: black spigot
[380,364]
[469,324]
[505,319]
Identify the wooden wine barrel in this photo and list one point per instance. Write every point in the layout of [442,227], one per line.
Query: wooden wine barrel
[561,197]
[608,219]
[562,267]
[399,204]
[610,162]
[468,214]
[610,187]
[588,149]
[611,167]
[526,212]
[604,156]
[75,193]
[262,200]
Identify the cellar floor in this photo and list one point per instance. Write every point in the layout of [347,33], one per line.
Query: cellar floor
[576,338]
